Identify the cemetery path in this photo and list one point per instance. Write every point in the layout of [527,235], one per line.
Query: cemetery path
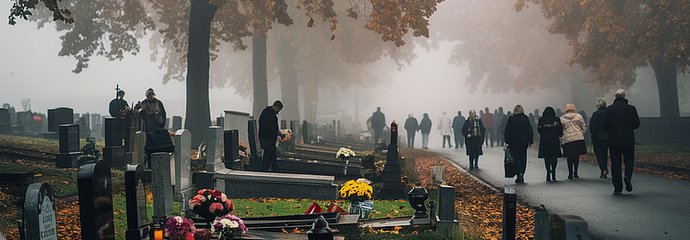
[656,209]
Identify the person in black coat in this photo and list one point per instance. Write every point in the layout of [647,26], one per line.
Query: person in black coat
[425,127]
[378,123]
[550,129]
[411,126]
[519,136]
[621,120]
[152,112]
[269,133]
[473,130]
[458,124]
[599,137]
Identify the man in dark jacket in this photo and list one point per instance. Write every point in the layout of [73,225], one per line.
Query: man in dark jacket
[458,123]
[519,136]
[269,133]
[620,121]
[378,123]
[411,126]
[599,137]
[151,112]
[118,107]
[425,127]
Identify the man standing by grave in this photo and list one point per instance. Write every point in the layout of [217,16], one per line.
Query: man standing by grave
[411,126]
[152,112]
[378,122]
[269,133]
[118,106]
[488,120]
[620,121]
[458,122]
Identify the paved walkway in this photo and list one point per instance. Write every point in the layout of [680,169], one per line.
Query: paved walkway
[658,208]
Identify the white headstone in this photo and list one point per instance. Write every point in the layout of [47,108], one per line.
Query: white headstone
[182,157]
[237,120]
[46,220]
[437,173]
[214,149]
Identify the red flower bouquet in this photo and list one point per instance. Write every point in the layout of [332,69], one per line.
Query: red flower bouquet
[209,204]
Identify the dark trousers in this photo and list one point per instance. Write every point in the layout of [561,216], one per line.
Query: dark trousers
[269,158]
[519,153]
[459,139]
[410,139]
[573,164]
[490,138]
[550,164]
[446,137]
[601,150]
[378,134]
[621,154]
[474,160]
[500,139]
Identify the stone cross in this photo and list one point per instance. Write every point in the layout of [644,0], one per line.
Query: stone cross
[38,220]
[96,206]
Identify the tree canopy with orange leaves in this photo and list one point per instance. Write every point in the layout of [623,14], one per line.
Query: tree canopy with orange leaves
[612,39]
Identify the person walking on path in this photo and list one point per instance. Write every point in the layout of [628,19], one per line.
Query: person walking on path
[550,129]
[378,123]
[445,125]
[519,136]
[621,120]
[600,137]
[411,126]
[488,120]
[473,130]
[574,128]
[458,123]
[500,119]
[269,133]
[425,128]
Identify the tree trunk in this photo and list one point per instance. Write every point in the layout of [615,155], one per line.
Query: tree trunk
[259,73]
[666,78]
[288,82]
[198,113]
[310,94]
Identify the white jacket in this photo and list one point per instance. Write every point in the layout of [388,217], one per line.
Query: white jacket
[574,127]
[445,125]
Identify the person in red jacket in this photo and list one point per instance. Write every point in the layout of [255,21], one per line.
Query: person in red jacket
[488,120]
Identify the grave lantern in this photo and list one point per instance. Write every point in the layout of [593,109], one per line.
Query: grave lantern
[157,228]
[417,196]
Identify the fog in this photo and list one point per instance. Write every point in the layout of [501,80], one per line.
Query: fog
[31,68]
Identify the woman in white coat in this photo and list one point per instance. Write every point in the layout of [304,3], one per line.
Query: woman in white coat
[574,128]
[445,125]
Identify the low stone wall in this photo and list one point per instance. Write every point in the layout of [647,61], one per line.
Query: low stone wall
[246,184]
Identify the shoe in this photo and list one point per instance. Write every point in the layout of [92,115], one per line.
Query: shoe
[617,193]
[570,176]
[576,176]
[548,179]
[602,175]
[628,184]
[471,168]
[553,176]
[519,179]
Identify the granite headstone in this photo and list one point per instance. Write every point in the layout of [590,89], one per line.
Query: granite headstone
[69,150]
[59,116]
[137,220]
[183,173]
[96,206]
[392,187]
[38,220]
[214,149]
[231,147]
[161,180]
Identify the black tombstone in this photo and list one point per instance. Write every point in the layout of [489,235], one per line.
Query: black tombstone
[509,213]
[137,221]
[38,218]
[445,220]
[255,159]
[114,151]
[392,187]
[5,121]
[96,204]
[176,123]
[59,116]
[305,132]
[231,147]
[69,146]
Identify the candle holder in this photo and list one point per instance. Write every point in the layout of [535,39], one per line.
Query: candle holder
[417,196]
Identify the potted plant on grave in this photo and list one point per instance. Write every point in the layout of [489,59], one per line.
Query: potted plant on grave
[179,228]
[357,191]
[209,204]
[228,226]
[345,153]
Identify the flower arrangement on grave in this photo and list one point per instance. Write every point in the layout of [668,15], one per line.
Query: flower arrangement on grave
[380,145]
[209,204]
[228,225]
[379,166]
[203,234]
[345,153]
[356,190]
[179,228]
[285,135]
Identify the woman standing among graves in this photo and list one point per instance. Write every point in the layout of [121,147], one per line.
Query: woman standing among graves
[519,136]
[550,129]
[574,128]
[473,130]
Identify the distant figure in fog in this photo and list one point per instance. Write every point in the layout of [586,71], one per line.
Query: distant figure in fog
[378,123]
[488,120]
[518,135]
[574,128]
[535,120]
[411,126]
[551,130]
[621,120]
[473,130]
[458,122]
[425,127]
[500,119]
[445,126]
[599,137]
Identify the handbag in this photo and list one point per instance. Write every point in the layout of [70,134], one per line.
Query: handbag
[159,141]
[508,163]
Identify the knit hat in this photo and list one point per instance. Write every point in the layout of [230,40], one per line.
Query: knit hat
[570,107]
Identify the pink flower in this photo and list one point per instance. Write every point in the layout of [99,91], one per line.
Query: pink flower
[199,198]
[216,194]
[201,192]
[223,197]
[214,207]
[189,236]
[229,204]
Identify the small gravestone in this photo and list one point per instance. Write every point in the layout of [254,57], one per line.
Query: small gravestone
[214,149]
[161,180]
[437,174]
[568,227]
[237,120]
[231,147]
[220,121]
[409,169]
[38,220]
[69,146]
[96,201]
[59,116]
[255,159]
[139,146]
[446,220]
[183,173]
[176,123]
[114,151]
[5,121]
[392,187]
[137,221]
